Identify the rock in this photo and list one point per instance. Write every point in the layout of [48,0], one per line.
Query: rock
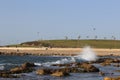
[100,60]
[60,74]
[88,67]
[6,74]
[116,65]
[26,67]
[108,61]
[27,64]
[43,71]
[107,78]
[20,70]
[102,73]
[74,70]
[105,64]
[17,70]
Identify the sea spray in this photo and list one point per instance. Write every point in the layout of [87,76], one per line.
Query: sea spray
[86,55]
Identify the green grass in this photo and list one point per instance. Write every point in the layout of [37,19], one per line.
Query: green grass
[72,43]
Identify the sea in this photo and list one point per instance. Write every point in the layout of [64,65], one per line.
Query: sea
[7,62]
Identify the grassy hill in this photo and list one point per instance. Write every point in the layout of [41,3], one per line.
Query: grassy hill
[72,43]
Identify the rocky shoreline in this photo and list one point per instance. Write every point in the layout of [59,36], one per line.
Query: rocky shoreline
[62,70]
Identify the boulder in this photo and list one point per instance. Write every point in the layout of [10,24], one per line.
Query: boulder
[27,64]
[88,67]
[107,78]
[105,64]
[26,67]
[43,71]
[20,70]
[6,74]
[60,74]
[17,70]
[112,78]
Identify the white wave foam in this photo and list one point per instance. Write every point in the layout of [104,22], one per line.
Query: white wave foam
[86,55]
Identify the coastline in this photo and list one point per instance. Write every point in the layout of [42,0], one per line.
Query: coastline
[54,51]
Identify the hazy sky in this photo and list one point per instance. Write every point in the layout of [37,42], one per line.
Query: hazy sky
[26,20]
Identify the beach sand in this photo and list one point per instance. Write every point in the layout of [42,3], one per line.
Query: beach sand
[55,51]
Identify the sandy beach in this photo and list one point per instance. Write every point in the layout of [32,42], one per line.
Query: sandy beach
[55,51]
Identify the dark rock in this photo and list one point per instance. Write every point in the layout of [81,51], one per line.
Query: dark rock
[60,73]
[105,64]
[20,70]
[27,64]
[88,67]
[101,73]
[17,70]
[7,74]
[43,71]
[26,67]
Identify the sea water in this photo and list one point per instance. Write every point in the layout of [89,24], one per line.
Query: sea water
[7,62]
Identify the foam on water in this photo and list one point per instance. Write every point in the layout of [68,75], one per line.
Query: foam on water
[86,55]
[62,61]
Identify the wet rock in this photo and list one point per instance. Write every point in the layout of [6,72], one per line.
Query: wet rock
[105,64]
[20,70]
[60,73]
[61,65]
[117,70]
[43,71]
[101,73]
[110,78]
[108,61]
[73,70]
[27,64]
[62,70]
[107,78]
[116,65]
[100,60]
[7,74]
[88,67]
[26,67]
[17,70]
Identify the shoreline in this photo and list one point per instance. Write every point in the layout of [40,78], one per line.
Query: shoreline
[54,51]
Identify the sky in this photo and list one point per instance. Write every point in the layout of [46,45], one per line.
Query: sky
[28,20]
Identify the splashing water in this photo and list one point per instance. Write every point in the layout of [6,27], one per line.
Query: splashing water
[86,55]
